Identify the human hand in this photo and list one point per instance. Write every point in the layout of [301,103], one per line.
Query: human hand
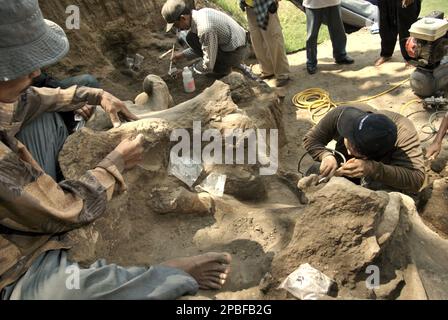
[354,168]
[406,3]
[131,151]
[328,166]
[177,56]
[113,106]
[433,150]
[85,112]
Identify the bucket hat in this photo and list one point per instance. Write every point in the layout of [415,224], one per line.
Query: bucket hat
[27,41]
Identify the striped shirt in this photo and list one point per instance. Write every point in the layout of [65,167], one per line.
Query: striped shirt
[261,8]
[215,30]
[33,207]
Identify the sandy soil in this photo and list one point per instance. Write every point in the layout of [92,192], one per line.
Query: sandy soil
[252,231]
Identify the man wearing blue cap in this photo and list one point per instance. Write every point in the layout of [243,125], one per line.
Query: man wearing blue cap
[37,206]
[382,147]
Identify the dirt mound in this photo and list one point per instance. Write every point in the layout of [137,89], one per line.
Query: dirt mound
[110,31]
[342,230]
[335,233]
[134,231]
[260,220]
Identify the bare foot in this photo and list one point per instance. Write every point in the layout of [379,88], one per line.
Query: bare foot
[210,270]
[382,60]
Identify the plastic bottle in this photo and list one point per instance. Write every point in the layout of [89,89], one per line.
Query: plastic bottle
[188,79]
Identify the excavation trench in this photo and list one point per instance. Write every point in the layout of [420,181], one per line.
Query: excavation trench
[341,231]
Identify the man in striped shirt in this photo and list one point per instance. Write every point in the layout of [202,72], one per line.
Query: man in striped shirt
[213,35]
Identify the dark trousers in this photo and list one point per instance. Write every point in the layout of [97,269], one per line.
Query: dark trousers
[44,137]
[396,21]
[224,60]
[314,19]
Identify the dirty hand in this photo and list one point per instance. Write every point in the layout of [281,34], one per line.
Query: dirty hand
[85,112]
[433,150]
[113,106]
[406,3]
[354,168]
[328,166]
[178,56]
[131,151]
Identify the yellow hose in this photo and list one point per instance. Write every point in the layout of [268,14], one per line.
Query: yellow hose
[318,101]
[408,104]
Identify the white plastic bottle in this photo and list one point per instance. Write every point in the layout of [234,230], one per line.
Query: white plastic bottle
[187,76]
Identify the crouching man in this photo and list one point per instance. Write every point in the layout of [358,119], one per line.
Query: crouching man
[213,36]
[35,210]
[382,148]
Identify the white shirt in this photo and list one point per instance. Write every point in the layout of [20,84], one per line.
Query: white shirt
[318,4]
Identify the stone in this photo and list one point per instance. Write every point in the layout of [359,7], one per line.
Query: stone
[436,208]
[335,233]
[155,96]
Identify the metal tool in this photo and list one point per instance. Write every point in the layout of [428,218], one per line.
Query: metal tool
[80,122]
[163,55]
[172,72]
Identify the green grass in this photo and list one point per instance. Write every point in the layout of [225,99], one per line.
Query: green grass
[431,5]
[294,21]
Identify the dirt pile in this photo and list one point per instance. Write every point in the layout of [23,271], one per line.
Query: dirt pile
[436,206]
[260,220]
[110,31]
[335,233]
[342,230]
[134,231]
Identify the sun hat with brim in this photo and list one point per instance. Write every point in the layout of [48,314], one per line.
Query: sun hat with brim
[27,41]
[372,134]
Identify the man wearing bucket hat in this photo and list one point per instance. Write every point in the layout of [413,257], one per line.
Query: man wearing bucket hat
[382,147]
[213,36]
[36,211]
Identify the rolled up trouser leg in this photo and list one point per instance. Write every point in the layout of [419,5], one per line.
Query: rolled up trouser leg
[53,277]
[44,138]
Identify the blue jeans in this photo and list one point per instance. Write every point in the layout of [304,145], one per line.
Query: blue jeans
[314,19]
[53,277]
